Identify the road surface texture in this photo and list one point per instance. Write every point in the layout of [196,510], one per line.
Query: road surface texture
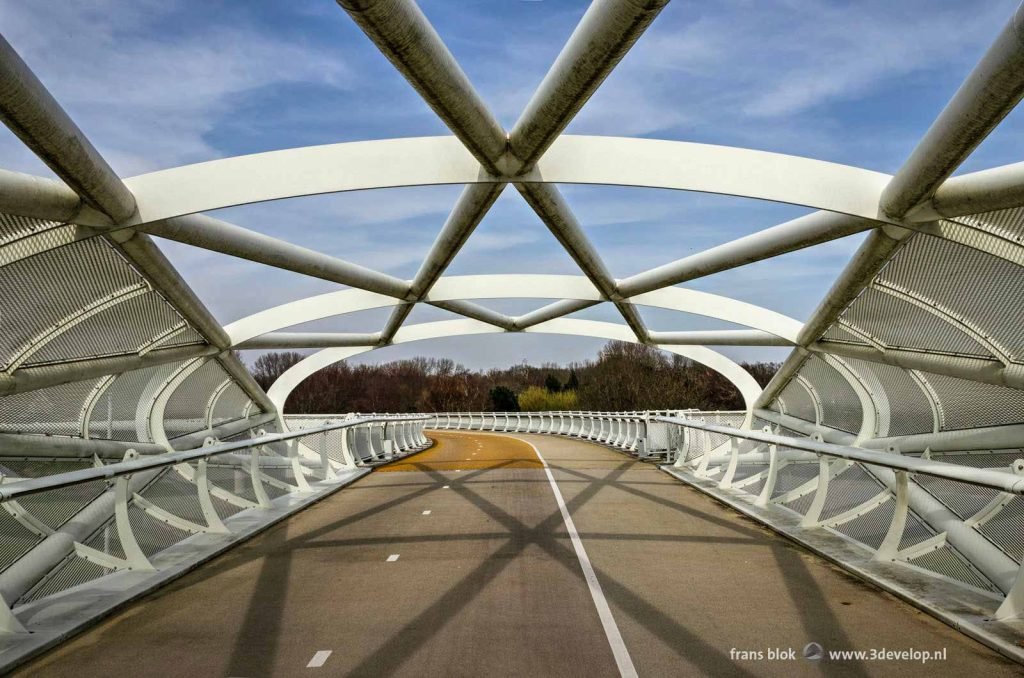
[459,562]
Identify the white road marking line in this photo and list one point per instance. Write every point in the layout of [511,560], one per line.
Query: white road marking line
[392,558]
[318,659]
[446,487]
[611,629]
[426,513]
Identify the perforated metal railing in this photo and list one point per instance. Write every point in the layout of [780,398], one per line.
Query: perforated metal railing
[67,522]
[874,497]
[635,432]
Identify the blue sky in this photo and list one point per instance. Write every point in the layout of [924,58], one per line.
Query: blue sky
[157,84]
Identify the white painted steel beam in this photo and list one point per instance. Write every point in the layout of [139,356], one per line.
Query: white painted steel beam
[290,379]
[988,94]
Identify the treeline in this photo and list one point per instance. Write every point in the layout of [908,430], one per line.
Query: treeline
[622,377]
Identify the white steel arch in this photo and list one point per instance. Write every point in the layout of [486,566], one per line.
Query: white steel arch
[422,161]
[512,286]
[290,379]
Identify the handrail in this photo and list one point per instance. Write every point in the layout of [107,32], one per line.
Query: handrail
[22,488]
[546,413]
[996,480]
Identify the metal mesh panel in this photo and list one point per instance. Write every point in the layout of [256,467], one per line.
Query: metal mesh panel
[15,539]
[840,406]
[947,562]
[801,504]
[186,408]
[72,571]
[848,489]
[1006,528]
[839,333]
[121,400]
[41,291]
[925,265]
[184,337]
[798,401]
[55,410]
[909,409]
[120,329]
[173,493]
[870,528]
[153,535]
[970,404]
[744,471]
[57,507]
[15,227]
[1007,223]
[915,531]
[792,476]
[233,479]
[230,405]
[899,323]
[962,499]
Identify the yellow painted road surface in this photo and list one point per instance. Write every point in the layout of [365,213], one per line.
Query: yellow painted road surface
[468,451]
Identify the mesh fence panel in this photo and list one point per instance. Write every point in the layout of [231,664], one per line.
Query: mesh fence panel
[901,324]
[55,410]
[187,408]
[119,329]
[840,406]
[995,307]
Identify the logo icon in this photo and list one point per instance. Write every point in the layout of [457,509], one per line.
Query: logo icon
[813,652]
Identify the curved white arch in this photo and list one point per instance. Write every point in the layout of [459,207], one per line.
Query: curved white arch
[513,286]
[739,377]
[423,161]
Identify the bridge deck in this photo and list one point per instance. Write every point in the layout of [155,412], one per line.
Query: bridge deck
[488,584]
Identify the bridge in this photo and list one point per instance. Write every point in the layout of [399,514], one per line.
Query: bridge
[163,510]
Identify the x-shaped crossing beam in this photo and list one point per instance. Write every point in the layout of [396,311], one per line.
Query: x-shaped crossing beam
[405,36]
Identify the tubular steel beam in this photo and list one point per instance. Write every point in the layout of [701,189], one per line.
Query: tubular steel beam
[996,480]
[219,236]
[32,113]
[473,203]
[309,340]
[719,338]
[553,310]
[812,229]
[873,254]
[990,92]
[605,33]
[477,312]
[962,367]
[30,379]
[986,191]
[30,486]
[404,35]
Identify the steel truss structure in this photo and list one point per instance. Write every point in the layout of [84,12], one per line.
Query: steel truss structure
[917,349]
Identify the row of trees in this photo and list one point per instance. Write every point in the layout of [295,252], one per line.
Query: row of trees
[622,377]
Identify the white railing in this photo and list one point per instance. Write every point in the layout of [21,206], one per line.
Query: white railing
[638,433]
[359,438]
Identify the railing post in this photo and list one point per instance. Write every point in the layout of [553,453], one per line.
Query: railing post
[214,523]
[765,497]
[891,544]
[8,622]
[133,554]
[813,515]
[254,473]
[730,471]
[1012,606]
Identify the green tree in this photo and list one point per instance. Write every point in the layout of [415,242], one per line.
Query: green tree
[552,384]
[503,399]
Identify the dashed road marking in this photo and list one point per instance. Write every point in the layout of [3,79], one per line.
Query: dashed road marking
[392,558]
[318,659]
[611,629]
[426,513]
[446,487]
